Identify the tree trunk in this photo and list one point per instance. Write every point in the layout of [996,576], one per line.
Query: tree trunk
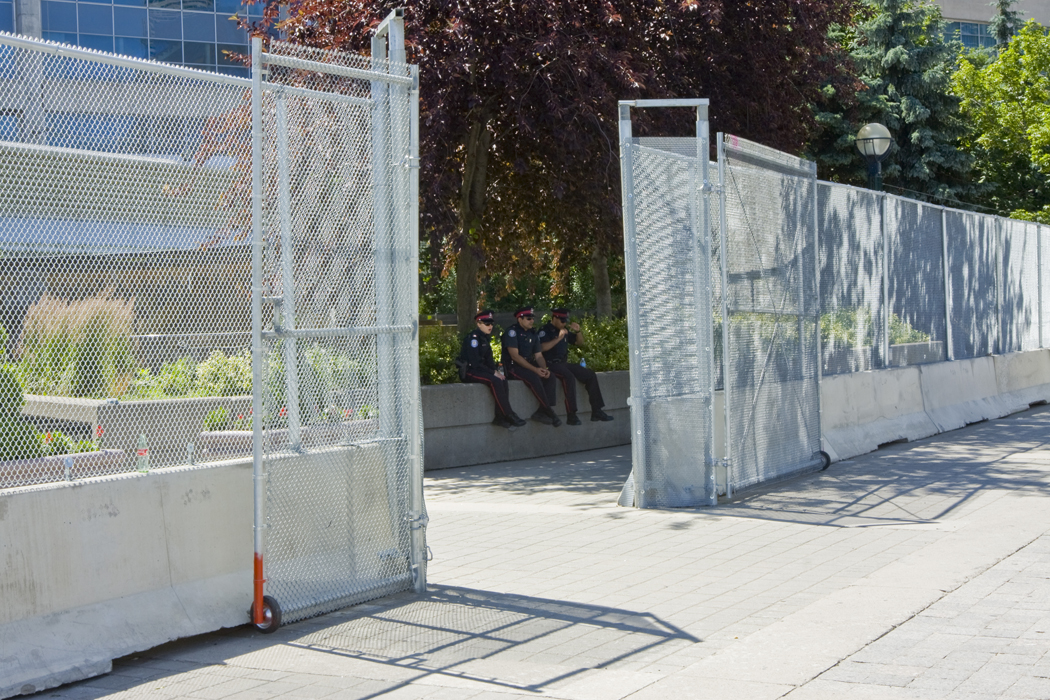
[602,290]
[471,207]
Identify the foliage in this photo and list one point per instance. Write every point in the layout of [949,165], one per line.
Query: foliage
[18,438]
[519,116]
[77,348]
[4,338]
[606,348]
[58,443]
[841,326]
[905,65]
[224,375]
[12,397]
[1005,22]
[438,348]
[1008,102]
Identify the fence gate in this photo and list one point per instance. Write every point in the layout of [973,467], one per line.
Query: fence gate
[339,510]
[770,312]
[667,247]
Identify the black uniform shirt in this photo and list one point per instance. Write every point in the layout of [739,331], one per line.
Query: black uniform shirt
[526,341]
[560,352]
[477,351]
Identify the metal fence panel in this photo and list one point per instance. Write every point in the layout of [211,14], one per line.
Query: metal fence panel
[668,253]
[340,395]
[851,278]
[1020,286]
[772,376]
[124,261]
[916,326]
[972,263]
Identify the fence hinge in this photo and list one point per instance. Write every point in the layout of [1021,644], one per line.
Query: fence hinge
[417,521]
[409,162]
[708,188]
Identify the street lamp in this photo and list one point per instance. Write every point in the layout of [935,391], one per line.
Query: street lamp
[873,142]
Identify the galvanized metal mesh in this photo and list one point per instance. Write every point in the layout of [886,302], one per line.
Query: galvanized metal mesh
[770,202]
[124,265]
[340,396]
[669,248]
[973,262]
[915,325]
[851,279]
[1020,302]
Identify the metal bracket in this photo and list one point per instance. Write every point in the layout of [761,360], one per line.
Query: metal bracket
[411,162]
[417,521]
[709,188]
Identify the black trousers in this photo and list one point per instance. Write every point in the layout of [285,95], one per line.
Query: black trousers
[497,385]
[545,390]
[568,374]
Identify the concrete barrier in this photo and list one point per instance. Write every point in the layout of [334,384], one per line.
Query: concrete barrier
[458,430]
[1023,378]
[958,393]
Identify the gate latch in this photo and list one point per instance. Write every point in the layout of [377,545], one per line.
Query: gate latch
[417,521]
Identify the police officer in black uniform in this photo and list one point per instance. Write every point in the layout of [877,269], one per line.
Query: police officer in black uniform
[524,360]
[481,368]
[554,340]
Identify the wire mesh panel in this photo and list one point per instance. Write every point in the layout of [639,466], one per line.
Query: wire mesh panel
[340,391]
[1019,304]
[668,253]
[772,376]
[124,265]
[972,263]
[915,325]
[851,278]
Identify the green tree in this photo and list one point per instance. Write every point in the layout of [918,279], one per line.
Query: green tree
[904,65]
[1008,102]
[1005,22]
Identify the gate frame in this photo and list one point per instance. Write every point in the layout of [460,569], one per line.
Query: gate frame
[636,400]
[387,43]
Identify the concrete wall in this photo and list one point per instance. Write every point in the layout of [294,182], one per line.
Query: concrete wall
[457,419]
[863,410]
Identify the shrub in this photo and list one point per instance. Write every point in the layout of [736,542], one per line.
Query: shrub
[18,438]
[12,397]
[606,348]
[217,419]
[77,348]
[220,375]
[438,349]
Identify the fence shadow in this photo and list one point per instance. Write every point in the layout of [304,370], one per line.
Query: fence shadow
[452,637]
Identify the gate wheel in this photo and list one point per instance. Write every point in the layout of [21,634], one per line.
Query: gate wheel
[827,459]
[272,613]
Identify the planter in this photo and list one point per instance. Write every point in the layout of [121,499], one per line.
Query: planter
[224,444]
[23,472]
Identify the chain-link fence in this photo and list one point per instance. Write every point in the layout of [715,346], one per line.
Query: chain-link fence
[670,322]
[199,269]
[771,312]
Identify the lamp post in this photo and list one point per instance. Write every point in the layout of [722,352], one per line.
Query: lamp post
[873,142]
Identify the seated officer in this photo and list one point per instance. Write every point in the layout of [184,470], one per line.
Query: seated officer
[481,369]
[554,340]
[524,360]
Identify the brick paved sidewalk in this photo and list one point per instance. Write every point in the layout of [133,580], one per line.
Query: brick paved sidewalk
[917,571]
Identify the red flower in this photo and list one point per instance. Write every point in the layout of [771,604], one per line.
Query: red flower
[284,411]
[99,431]
[47,436]
[240,416]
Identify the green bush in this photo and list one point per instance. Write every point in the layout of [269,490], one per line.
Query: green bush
[606,348]
[438,349]
[840,328]
[12,397]
[18,438]
[222,375]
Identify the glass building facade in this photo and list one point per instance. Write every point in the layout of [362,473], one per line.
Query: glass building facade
[973,35]
[195,33]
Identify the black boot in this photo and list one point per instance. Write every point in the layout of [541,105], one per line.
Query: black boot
[541,417]
[573,419]
[600,415]
[504,422]
[555,421]
[515,419]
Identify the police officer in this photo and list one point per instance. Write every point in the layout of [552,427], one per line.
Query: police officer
[554,340]
[481,368]
[524,360]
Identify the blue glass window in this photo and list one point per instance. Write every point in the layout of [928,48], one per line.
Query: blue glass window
[233,70]
[228,6]
[95,19]
[138,48]
[194,52]
[8,127]
[200,5]
[129,21]
[61,37]
[165,4]
[7,17]
[133,3]
[973,35]
[255,9]
[99,43]
[167,51]
[198,26]
[227,31]
[58,16]
[165,24]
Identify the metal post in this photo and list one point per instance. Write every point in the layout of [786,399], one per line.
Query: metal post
[258,475]
[415,436]
[381,215]
[702,295]
[885,284]
[723,250]
[998,243]
[950,350]
[638,403]
[1039,278]
[291,355]
[819,300]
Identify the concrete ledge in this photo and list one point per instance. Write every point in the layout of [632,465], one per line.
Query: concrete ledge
[958,393]
[458,430]
[1023,378]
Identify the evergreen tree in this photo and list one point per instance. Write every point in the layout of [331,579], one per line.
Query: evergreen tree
[1005,22]
[905,65]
